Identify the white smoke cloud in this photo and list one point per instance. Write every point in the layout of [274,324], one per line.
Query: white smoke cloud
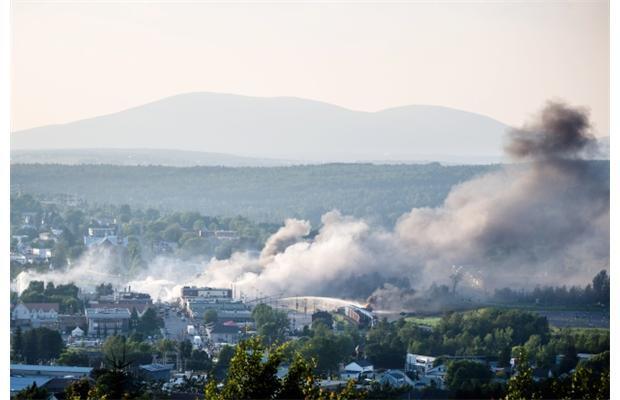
[292,231]
[544,221]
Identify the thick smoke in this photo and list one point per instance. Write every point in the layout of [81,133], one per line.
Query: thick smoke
[292,231]
[162,279]
[544,219]
[560,133]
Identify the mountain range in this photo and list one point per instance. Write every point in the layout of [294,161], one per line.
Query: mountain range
[279,128]
[207,129]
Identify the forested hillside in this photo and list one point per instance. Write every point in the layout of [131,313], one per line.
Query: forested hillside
[378,192]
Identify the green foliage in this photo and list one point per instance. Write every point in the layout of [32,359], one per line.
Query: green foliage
[17,344]
[363,190]
[119,350]
[521,386]
[327,348]
[74,358]
[78,390]
[104,289]
[115,383]
[149,323]
[41,345]
[199,360]
[467,375]
[271,324]
[487,332]
[134,257]
[65,295]
[252,375]
[32,392]
[210,316]
[223,360]
[173,233]
[595,294]
[384,346]
[185,348]
[249,376]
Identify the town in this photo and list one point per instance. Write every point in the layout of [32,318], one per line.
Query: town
[77,338]
[173,348]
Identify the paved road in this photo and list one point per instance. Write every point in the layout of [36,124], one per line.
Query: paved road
[176,328]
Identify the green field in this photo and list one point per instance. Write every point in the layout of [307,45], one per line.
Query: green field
[428,321]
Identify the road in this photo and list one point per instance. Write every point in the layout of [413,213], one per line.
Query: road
[176,327]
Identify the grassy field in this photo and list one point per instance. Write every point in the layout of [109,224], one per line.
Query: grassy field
[428,321]
[584,319]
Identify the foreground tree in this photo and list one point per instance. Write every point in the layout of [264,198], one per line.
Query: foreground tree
[252,375]
[41,344]
[521,386]
[465,375]
[17,345]
[32,392]
[271,324]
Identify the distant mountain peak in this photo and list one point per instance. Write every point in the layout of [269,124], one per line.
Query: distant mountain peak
[281,128]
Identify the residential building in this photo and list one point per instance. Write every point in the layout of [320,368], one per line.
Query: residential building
[396,379]
[418,363]
[66,323]
[224,333]
[107,321]
[103,236]
[357,370]
[435,376]
[36,315]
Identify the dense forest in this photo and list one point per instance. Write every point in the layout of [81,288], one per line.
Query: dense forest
[378,192]
[381,193]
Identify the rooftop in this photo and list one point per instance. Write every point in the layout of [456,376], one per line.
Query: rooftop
[157,367]
[42,306]
[20,368]
[103,313]
[221,328]
[21,382]
[362,363]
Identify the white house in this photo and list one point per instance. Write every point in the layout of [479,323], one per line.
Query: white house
[396,379]
[224,333]
[435,376]
[419,363]
[38,314]
[358,369]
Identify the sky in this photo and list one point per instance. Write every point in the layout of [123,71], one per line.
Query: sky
[78,59]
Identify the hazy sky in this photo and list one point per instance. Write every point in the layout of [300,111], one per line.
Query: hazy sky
[77,59]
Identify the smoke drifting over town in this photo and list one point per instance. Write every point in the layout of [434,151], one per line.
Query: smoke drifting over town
[545,216]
